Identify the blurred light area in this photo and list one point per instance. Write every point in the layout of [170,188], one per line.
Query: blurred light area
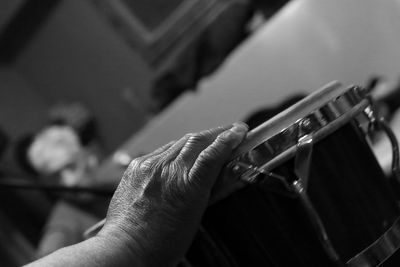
[307,44]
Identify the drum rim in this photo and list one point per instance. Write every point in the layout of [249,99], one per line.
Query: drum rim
[290,116]
[236,175]
[321,119]
[318,135]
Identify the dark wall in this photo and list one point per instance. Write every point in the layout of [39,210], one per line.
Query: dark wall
[77,56]
[21,109]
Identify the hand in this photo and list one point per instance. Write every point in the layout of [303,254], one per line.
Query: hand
[157,207]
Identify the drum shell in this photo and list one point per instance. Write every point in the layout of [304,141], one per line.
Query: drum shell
[264,225]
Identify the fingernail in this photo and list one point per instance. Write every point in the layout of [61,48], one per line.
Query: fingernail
[240,127]
[237,133]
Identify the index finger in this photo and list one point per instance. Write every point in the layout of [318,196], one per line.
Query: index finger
[210,161]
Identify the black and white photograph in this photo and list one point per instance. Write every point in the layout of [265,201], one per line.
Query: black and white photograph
[200,133]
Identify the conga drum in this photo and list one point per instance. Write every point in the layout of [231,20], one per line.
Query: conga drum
[305,189]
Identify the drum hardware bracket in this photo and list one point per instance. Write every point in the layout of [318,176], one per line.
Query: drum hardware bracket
[316,223]
[375,123]
[249,171]
[302,163]
[255,172]
[395,177]
[382,124]
[302,160]
[283,181]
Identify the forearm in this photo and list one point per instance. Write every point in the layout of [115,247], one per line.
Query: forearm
[95,251]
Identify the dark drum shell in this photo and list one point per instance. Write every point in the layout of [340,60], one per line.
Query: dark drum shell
[260,225]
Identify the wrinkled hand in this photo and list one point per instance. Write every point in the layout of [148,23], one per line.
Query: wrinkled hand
[157,207]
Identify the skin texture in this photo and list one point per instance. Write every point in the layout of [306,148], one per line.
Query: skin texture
[157,207]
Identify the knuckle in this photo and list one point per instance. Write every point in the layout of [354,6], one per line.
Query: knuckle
[223,140]
[180,175]
[135,162]
[175,170]
[224,143]
[180,166]
[187,136]
[196,138]
[132,169]
[141,166]
[133,165]
[146,166]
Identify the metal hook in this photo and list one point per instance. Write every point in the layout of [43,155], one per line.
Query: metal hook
[302,161]
[395,146]
[302,166]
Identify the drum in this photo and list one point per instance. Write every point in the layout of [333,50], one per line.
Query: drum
[305,189]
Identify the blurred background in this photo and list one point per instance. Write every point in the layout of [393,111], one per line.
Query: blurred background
[85,86]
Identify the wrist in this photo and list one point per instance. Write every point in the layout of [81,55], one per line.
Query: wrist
[137,249]
[116,250]
[123,246]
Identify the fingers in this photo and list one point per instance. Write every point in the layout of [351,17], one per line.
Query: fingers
[210,161]
[198,142]
[148,163]
[147,158]
[173,151]
[202,154]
